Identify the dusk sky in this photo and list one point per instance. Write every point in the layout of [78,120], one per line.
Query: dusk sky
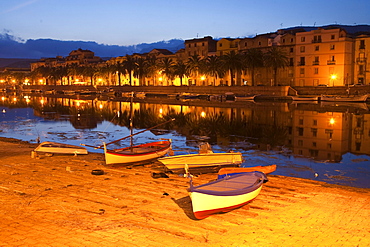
[129,22]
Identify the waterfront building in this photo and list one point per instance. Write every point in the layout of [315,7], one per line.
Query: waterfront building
[362,61]
[324,57]
[333,55]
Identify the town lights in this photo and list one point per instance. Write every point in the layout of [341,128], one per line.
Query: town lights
[333,77]
[331,121]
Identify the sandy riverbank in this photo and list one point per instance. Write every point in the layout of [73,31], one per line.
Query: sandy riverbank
[56,201]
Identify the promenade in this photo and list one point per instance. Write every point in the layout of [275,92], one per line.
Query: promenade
[56,201]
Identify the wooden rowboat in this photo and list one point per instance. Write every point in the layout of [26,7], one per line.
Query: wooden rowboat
[138,153]
[206,158]
[231,171]
[226,194]
[350,98]
[60,148]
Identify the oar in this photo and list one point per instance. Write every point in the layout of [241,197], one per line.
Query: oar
[130,135]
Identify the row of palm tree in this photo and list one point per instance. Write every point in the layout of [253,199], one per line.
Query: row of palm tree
[142,68]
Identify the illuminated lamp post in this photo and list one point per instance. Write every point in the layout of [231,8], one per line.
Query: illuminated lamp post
[202,78]
[333,77]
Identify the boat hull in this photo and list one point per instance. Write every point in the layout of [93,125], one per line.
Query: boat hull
[360,98]
[239,170]
[178,162]
[224,195]
[139,153]
[60,148]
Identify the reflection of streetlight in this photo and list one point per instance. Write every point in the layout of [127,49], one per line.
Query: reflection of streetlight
[203,114]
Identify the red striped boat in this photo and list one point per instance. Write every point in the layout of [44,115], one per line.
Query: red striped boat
[138,153]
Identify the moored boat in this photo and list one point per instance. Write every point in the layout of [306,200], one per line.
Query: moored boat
[137,153]
[231,171]
[342,98]
[305,98]
[206,158]
[226,194]
[60,148]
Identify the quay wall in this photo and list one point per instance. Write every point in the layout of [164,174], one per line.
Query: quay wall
[277,91]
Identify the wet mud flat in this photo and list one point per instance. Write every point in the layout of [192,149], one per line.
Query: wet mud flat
[57,201]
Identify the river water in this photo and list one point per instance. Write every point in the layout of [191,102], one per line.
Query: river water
[325,142]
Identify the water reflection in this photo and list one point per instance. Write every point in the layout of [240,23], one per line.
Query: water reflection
[267,132]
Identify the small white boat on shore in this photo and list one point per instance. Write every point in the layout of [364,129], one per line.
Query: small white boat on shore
[60,148]
[226,194]
[206,158]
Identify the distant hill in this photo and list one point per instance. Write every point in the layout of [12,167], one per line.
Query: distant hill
[16,62]
[11,47]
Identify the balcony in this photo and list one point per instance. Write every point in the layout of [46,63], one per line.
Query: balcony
[301,64]
[331,62]
[316,41]
[315,63]
[361,60]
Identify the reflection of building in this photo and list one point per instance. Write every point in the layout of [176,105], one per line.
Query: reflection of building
[360,134]
[325,136]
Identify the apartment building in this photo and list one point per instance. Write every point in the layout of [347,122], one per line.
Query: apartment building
[362,62]
[202,47]
[324,57]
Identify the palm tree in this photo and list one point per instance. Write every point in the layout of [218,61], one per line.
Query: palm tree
[276,58]
[233,63]
[181,70]
[166,65]
[195,65]
[252,59]
[140,70]
[129,65]
[152,66]
[214,68]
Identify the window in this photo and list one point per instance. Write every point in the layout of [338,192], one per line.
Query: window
[303,49]
[314,132]
[302,61]
[314,144]
[301,71]
[314,122]
[301,121]
[317,39]
[362,44]
[303,39]
[300,143]
[329,145]
[332,47]
[317,48]
[316,61]
[283,41]
[291,50]
[259,43]
[291,61]
[300,131]
[316,71]
[220,45]
[332,36]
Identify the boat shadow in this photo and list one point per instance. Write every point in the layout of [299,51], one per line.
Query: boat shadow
[185,204]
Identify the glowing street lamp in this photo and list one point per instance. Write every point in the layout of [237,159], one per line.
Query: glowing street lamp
[333,77]
[331,121]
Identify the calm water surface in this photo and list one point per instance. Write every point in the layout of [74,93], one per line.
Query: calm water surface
[325,142]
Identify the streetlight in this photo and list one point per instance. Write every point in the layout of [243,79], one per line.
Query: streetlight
[333,77]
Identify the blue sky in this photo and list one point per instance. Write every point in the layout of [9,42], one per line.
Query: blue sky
[128,22]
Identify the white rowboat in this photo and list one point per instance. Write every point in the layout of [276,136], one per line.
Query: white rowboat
[60,148]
